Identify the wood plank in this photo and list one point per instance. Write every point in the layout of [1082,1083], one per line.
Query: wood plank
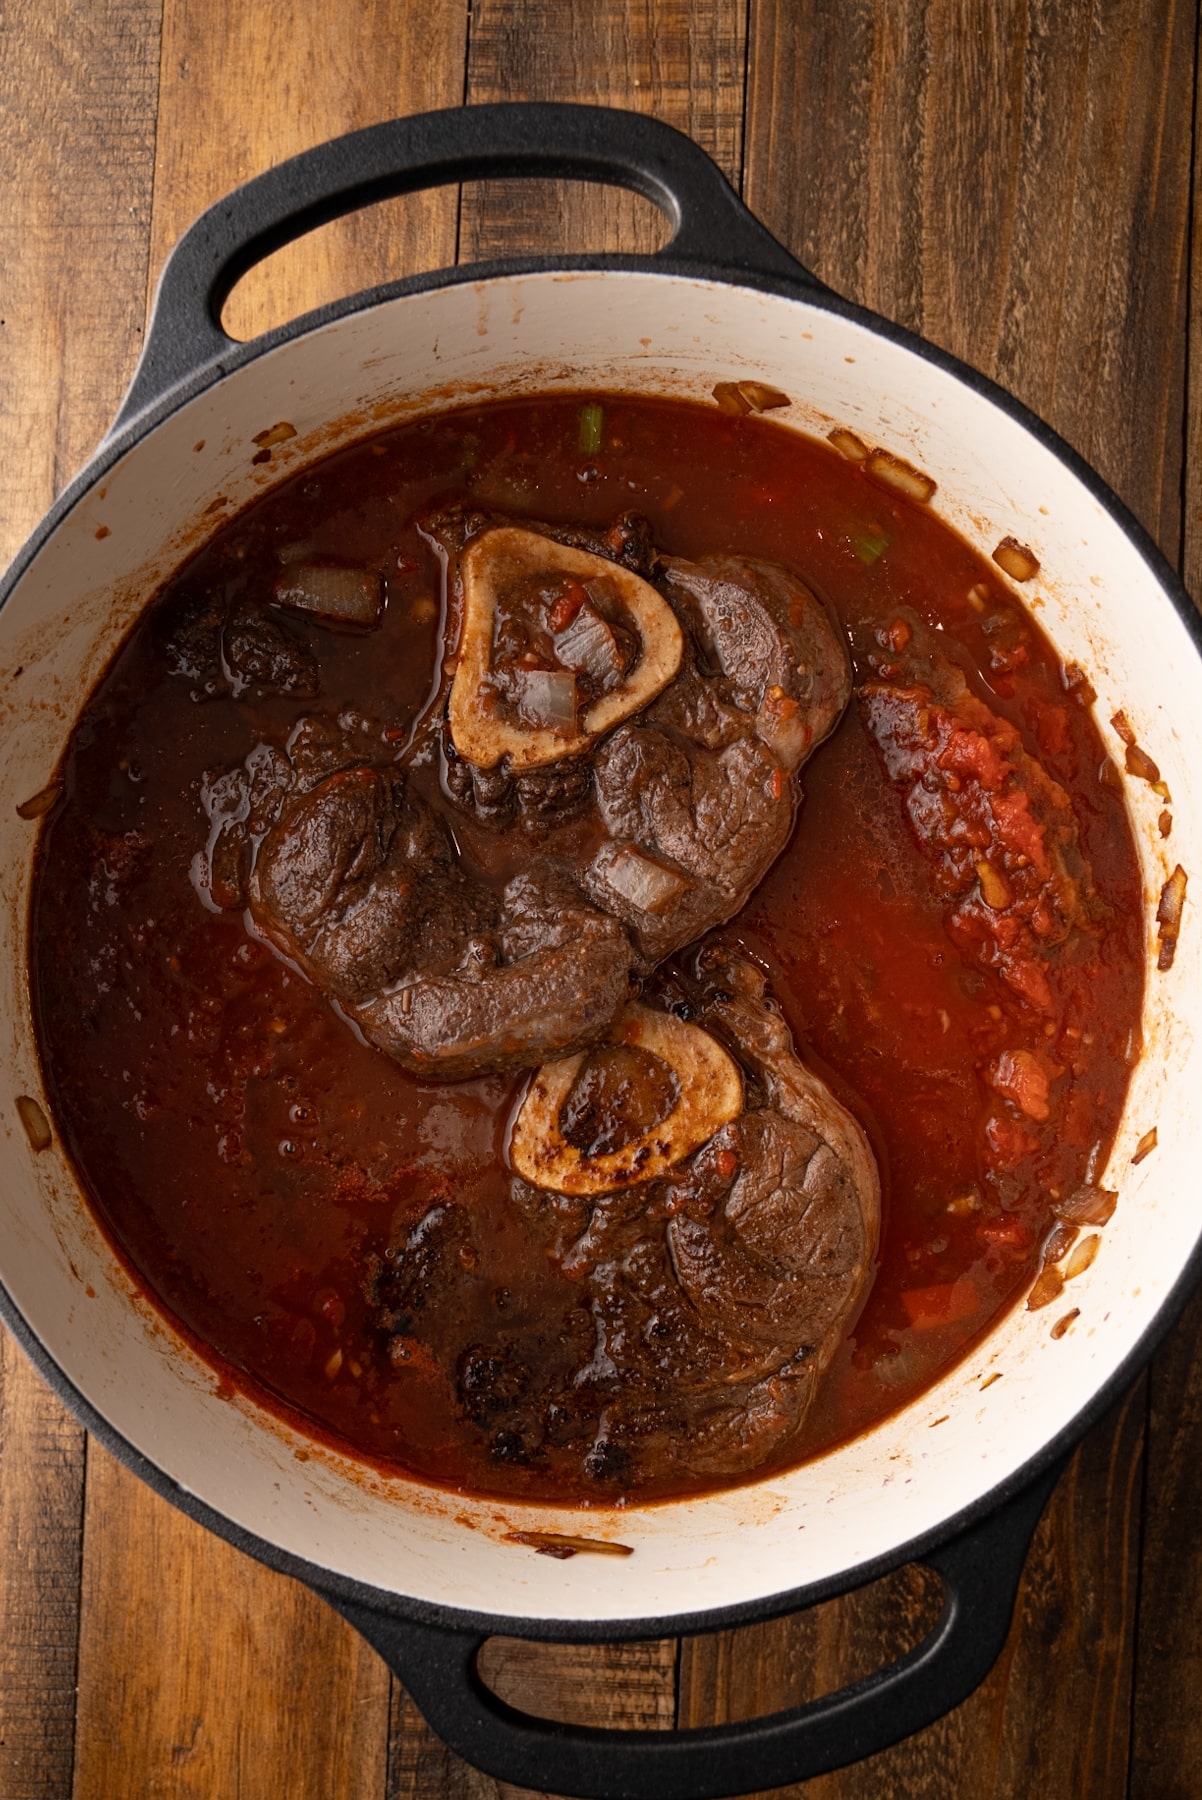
[76,138]
[677,60]
[243,89]
[78,91]
[611,1685]
[231,1678]
[1166,1762]
[1052,1717]
[758,1669]
[203,1674]
[951,178]
[1011,181]
[41,1509]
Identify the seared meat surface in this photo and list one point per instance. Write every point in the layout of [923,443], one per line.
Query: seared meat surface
[703,1307]
[695,796]
[355,878]
[237,649]
[511,933]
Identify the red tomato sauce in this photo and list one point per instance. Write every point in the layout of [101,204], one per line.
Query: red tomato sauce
[248,1155]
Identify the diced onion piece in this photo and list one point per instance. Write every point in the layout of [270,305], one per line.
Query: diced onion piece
[1049,1284]
[1077,684]
[729,398]
[893,472]
[1145,1147]
[493,564]
[739,397]
[1082,1256]
[710,1096]
[1168,916]
[589,646]
[556,1543]
[1023,1077]
[275,434]
[1087,1205]
[994,889]
[1140,764]
[41,802]
[35,1122]
[1062,1324]
[1060,1242]
[784,728]
[300,551]
[1020,563]
[849,445]
[352,595]
[946,1304]
[547,699]
[644,884]
[762,397]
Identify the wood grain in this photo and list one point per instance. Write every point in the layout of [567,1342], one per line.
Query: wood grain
[1050,1720]
[41,1508]
[681,61]
[759,1669]
[243,88]
[203,1674]
[1012,181]
[1166,1759]
[232,1678]
[927,181]
[1166,1751]
[631,1686]
[75,165]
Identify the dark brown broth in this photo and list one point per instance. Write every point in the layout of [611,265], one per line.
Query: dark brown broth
[247,1153]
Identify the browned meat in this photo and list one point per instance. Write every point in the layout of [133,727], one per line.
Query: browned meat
[695,796]
[354,878]
[709,1302]
[238,650]
[626,541]
[655,829]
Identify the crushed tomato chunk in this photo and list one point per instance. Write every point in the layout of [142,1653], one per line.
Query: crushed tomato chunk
[1001,831]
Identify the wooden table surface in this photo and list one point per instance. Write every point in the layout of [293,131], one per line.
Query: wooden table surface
[1013,178]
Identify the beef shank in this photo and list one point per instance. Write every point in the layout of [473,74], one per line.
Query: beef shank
[619,741]
[697,1306]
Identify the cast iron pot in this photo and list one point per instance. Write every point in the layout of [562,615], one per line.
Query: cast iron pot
[428,1576]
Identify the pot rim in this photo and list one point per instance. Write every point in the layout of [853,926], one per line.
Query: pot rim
[123,437]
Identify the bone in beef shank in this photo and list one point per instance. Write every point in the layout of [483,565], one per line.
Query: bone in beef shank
[635,750]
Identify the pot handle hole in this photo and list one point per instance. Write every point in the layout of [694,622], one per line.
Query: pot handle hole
[712,228]
[979,1571]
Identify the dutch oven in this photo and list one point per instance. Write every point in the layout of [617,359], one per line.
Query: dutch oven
[426,1576]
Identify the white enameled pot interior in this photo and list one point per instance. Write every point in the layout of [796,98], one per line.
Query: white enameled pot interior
[1102,607]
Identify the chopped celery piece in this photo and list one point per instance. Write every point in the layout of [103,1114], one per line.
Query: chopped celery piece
[592,418]
[869,544]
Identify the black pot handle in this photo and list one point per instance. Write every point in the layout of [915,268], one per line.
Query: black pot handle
[590,143]
[980,1571]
